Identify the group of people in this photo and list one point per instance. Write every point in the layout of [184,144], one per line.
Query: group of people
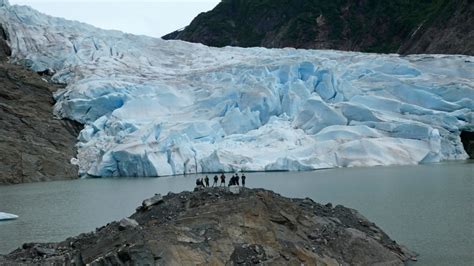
[234,180]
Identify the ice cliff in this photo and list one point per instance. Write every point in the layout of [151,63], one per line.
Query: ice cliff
[153,107]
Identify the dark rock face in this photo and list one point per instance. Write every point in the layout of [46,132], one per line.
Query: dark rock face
[467,139]
[4,48]
[216,227]
[433,26]
[34,146]
[451,32]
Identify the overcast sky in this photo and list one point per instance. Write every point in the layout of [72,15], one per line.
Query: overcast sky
[149,17]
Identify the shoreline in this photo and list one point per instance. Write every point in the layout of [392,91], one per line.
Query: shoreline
[461,161]
[447,162]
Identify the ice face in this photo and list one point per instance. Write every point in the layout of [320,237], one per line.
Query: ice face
[153,107]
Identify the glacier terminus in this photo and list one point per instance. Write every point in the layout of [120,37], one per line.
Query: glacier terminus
[154,108]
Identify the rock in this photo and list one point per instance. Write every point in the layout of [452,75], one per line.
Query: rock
[45,251]
[188,238]
[467,139]
[198,188]
[152,201]
[139,255]
[234,189]
[35,146]
[47,72]
[248,254]
[253,227]
[127,222]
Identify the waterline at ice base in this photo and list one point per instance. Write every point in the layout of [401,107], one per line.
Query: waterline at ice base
[154,108]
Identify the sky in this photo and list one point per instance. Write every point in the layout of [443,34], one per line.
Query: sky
[148,17]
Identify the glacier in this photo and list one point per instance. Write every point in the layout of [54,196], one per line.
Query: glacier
[153,107]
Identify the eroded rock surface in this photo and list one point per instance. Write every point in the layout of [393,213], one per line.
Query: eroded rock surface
[34,146]
[216,227]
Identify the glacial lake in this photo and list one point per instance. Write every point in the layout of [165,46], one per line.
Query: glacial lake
[428,208]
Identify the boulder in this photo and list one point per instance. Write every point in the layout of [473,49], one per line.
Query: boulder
[152,201]
[127,223]
[234,189]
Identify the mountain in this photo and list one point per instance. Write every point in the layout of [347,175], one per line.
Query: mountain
[153,107]
[34,146]
[398,26]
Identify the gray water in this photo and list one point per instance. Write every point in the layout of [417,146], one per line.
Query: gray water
[428,208]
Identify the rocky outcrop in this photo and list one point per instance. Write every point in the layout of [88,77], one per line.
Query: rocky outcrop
[34,146]
[450,32]
[217,227]
[4,48]
[438,26]
[467,139]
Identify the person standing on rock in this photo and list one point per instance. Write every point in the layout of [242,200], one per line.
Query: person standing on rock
[206,180]
[243,179]
[237,180]
[215,181]
[222,180]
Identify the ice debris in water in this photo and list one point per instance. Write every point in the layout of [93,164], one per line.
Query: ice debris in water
[7,216]
[153,107]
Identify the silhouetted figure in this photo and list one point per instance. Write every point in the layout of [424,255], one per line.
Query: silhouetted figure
[215,181]
[206,179]
[222,180]
[237,180]
[243,180]
[232,181]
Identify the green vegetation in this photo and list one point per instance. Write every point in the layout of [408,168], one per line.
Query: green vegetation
[402,17]
[370,25]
